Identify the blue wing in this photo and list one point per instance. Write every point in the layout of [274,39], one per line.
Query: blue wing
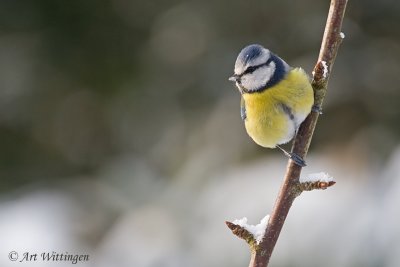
[243,109]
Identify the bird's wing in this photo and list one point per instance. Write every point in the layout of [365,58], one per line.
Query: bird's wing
[243,109]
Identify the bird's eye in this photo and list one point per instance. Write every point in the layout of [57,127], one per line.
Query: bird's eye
[250,69]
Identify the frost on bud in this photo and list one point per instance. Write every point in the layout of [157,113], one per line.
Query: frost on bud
[313,181]
[251,233]
[321,71]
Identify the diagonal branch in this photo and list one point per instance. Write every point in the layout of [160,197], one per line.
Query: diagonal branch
[291,186]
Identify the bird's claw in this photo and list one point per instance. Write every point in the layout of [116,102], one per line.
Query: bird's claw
[317,109]
[297,159]
[293,156]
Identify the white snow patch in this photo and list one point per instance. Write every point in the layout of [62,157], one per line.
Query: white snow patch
[342,35]
[325,70]
[325,73]
[257,231]
[317,177]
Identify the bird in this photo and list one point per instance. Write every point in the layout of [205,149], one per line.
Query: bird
[275,97]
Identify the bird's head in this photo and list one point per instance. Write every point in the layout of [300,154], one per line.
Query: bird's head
[256,67]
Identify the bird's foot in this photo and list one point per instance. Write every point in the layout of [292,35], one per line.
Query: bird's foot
[317,109]
[293,156]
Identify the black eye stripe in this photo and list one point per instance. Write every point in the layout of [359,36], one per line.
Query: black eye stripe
[251,69]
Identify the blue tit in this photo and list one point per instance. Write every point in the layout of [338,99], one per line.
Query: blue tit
[275,98]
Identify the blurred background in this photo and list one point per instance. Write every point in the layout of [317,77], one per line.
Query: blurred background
[121,137]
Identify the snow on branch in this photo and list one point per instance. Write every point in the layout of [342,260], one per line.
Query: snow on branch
[256,230]
[252,234]
[313,181]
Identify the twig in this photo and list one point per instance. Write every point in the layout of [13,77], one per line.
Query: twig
[291,187]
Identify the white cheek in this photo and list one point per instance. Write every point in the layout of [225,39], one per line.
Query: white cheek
[259,78]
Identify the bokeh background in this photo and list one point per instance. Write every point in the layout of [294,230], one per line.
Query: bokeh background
[120,135]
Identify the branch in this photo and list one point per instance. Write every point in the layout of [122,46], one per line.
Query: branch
[291,187]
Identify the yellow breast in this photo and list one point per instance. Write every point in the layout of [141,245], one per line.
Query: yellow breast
[274,115]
